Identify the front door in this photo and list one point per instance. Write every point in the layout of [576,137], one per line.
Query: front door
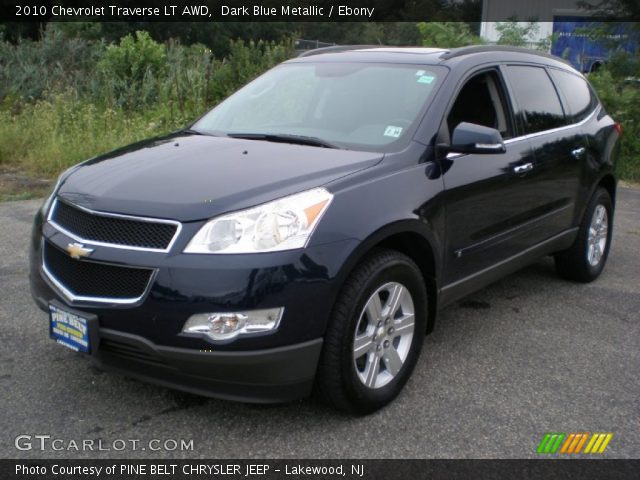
[487,196]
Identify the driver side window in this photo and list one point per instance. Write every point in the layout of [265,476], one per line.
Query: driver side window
[482,101]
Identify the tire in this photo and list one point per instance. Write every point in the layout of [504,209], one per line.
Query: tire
[347,379]
[585,260]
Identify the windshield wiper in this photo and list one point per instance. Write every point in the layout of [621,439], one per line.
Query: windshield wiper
[195,132]
[284,138]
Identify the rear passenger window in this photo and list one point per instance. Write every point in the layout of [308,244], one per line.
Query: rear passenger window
[538,102]
[577,93]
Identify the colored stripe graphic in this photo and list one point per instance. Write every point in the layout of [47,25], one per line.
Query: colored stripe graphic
[550,443]
[581,443]
[567,443]
[598,443]
[573,443]
[543,443]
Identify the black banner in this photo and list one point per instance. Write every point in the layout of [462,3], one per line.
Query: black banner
[312,469]
[296,10]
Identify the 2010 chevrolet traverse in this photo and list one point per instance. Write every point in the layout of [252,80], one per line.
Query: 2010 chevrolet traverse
[306,230]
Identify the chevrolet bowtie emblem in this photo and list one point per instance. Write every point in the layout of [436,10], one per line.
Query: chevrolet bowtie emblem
[77,250]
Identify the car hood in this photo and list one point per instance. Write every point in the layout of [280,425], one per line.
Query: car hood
[190,177]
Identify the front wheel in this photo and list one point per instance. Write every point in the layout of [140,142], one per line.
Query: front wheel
[584,261]
[375,334]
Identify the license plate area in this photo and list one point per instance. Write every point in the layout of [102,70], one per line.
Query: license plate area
[72,329]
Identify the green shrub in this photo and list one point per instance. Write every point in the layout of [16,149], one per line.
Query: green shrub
[245,62]
[124,93]
[621,97]
[30,69]
[521,34]
[132,70]
[185,88]
[447,34]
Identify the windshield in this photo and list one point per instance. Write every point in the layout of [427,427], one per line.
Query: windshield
[348,105]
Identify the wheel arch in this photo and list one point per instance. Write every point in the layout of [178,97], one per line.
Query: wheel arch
[414,239]
[608,182]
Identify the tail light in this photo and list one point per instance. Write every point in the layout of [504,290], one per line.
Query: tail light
[618,128]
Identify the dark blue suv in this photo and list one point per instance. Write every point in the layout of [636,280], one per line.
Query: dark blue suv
[305,232]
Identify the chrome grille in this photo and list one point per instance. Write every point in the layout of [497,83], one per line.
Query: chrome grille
[93,281]
[113,229]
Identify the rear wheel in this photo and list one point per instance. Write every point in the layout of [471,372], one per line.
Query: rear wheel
[585,260]
[375,334]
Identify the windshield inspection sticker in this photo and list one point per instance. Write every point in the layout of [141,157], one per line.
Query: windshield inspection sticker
[392,131]
[426,79]
[420,73]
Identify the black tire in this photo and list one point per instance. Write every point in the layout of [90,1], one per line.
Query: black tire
[337,379]
[573,263]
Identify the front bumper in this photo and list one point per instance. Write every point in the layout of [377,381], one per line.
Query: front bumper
[271,375]
[145,340]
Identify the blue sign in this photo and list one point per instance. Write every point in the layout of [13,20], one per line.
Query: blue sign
[69,329]
[572,41]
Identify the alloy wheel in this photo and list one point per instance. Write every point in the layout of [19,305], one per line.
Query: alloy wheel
[384,333]
[597,237]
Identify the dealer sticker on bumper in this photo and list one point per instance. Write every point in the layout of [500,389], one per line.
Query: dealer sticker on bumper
[69,329]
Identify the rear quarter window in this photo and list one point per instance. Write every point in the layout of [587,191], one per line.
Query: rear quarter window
[537,101]
[579,97]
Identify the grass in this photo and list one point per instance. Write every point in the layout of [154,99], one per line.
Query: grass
[629,160]
[17,186]
[24,195]
[47,137]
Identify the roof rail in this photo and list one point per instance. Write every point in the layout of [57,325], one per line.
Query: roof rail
[459,52]
[336,49]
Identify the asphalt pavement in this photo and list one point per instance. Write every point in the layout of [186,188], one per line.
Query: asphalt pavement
[528,355]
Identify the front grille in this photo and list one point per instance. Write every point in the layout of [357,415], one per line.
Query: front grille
[95,280]
[100,227]
[128,352]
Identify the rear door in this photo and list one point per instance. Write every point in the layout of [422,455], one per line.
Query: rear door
[580,106]
[558,146]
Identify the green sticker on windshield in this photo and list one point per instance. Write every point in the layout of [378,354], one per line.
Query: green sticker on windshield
[426,79]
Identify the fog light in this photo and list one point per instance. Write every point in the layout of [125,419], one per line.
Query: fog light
[223,326]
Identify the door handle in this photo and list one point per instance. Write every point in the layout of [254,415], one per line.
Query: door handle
[520,169]
[578,152]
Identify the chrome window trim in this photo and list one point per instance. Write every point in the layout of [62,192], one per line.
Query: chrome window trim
[72,297]
[488,145]
[552,130]
[113,215]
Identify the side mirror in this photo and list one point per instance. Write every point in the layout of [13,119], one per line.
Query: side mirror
[472,138]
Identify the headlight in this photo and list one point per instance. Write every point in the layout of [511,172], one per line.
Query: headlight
[283,224]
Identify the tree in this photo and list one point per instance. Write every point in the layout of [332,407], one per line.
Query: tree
[521,34]
[613,9]
[447,34]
